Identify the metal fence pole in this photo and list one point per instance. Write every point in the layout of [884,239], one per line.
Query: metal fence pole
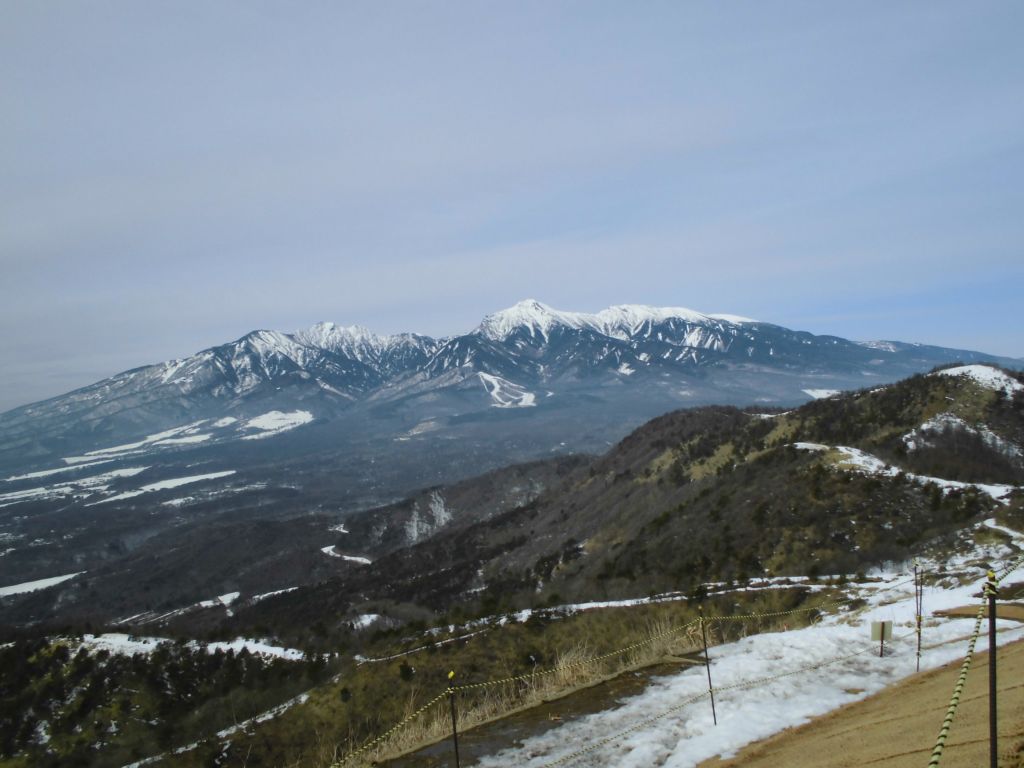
[451,701]
[707,664]
[993,720]
[919,605]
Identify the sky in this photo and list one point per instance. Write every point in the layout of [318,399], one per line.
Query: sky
[176,174]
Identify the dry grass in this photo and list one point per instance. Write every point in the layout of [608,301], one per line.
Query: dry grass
[575,668]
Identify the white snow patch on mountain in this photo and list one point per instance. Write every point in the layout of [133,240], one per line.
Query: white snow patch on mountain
[255,647]
[148,440]
[275,422]
[625,370]
[332,552]
[986,375]
[227,421]
[81,486]
[505,394]
[58,470]
[882,346]
[129,645]
[737,319]
[862,461]
[122,644]
[265,595]
[187,440]
[226,600]
[164,485]
[617,321]
[33,586]
[820,394]
[920,437]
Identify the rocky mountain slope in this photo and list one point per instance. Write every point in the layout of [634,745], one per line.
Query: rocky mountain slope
[530,361]
[750,508]
[835,486]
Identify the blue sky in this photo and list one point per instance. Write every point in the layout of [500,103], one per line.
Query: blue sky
[173,175]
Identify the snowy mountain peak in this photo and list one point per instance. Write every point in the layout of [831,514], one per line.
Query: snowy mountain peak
[265,343]
[328,335]
[619,321]
[530,314]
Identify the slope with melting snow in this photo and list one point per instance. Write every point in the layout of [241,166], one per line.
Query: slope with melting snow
[985,375]
[816,670]
[861,461]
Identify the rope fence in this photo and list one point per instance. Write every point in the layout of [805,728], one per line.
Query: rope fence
[533,676]
[965,666]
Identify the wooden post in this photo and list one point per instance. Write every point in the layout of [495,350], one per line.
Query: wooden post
[993,720]
[707,664]
[451,701]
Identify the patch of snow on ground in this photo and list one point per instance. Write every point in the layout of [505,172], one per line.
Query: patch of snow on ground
[625,370]
[364,620]
[33,586]
[122,644]
[255,647]
[227,421]
[118,450]
[919,438]
[225,600]
[331,551]
[856,459]
[986,375]
[815,669]
[275,422]
[48,472]
[820,394]
[339,528]
[872,465]
[187,440]
[83,485]
[265,595]
[424,426]
[129,645]
[163,485]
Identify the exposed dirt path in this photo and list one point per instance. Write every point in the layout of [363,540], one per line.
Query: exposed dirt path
[897,727]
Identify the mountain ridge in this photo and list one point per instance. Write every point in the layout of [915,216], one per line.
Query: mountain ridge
[635,359]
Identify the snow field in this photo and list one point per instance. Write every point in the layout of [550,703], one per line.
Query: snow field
[33,586]
[986,376]
[129,645]
[505,394]
[275,422]
[163,485]
[766,683]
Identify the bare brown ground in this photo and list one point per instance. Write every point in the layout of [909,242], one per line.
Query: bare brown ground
[1003,611]
[897,727]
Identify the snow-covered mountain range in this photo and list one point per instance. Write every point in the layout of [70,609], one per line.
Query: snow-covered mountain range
[637,359]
